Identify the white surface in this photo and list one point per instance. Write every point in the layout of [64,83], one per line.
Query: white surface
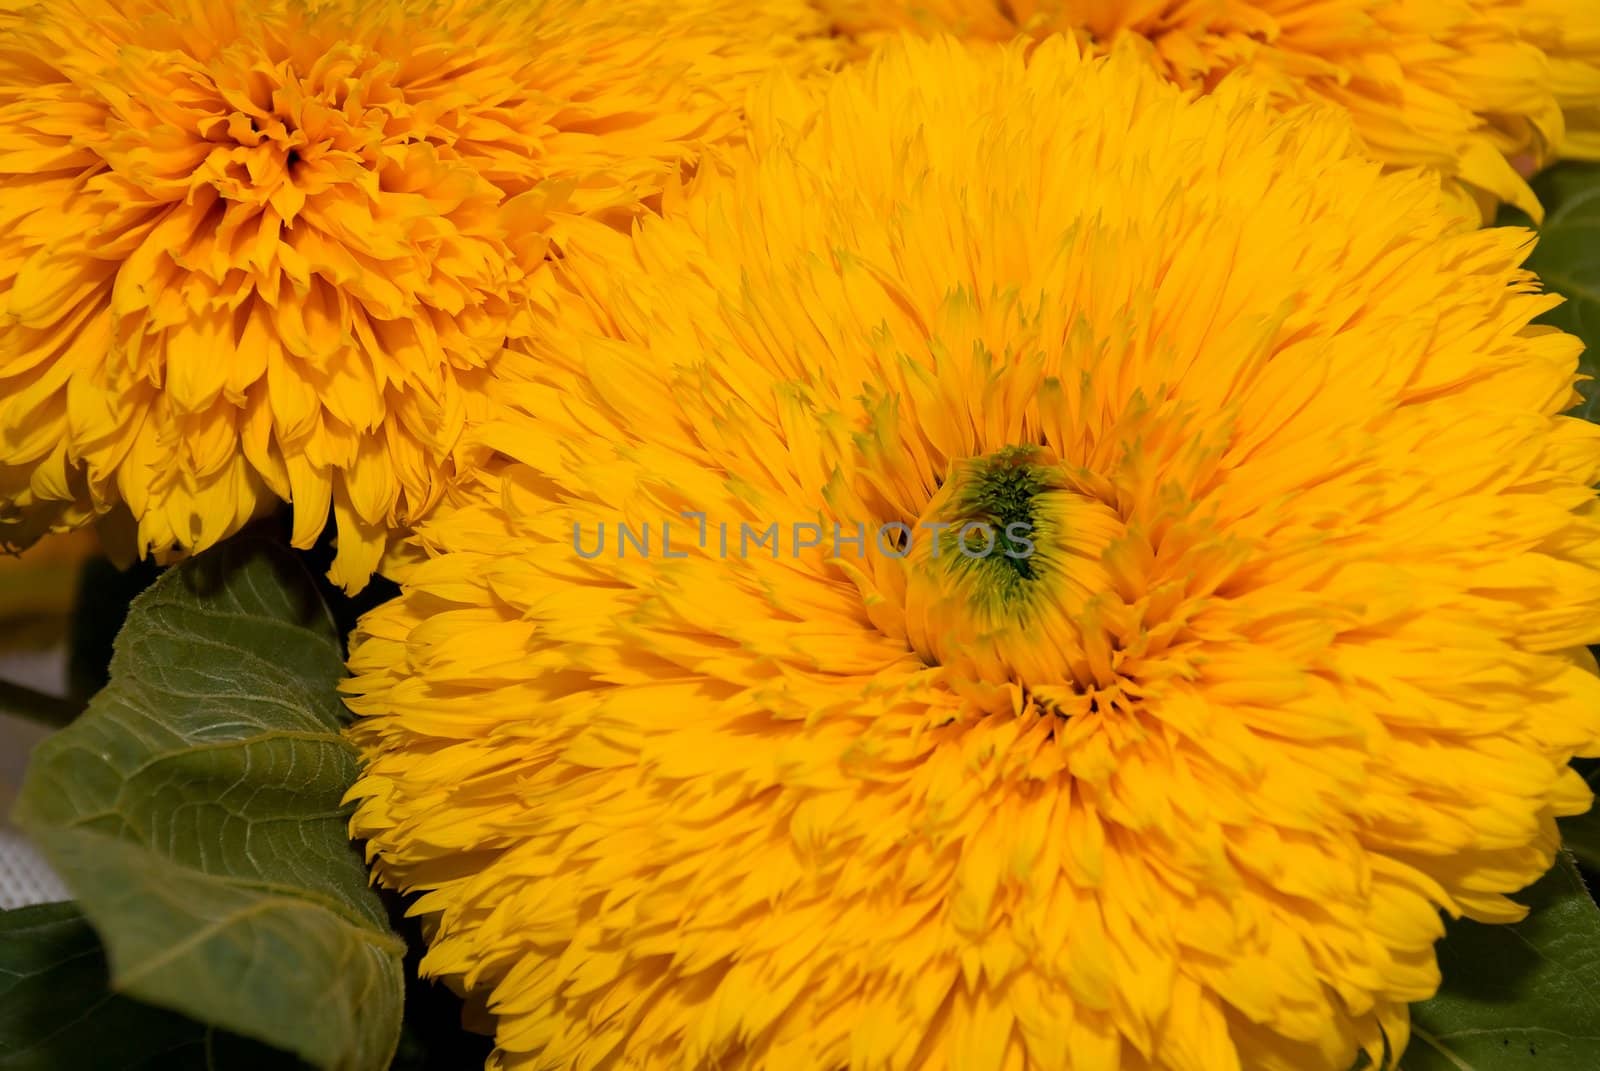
[24,878]
[45,671]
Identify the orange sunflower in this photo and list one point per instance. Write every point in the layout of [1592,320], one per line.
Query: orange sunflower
[1481,91]
[273,250]
[1032,571]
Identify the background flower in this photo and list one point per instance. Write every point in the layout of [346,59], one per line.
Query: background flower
[37,589]
[1296,662]
[1475,89]
[272,250]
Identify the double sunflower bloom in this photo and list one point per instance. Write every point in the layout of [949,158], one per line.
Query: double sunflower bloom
[1129,570]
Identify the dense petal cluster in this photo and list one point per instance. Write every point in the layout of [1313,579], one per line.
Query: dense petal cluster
[272,250]
[1478,90]
[1032,571]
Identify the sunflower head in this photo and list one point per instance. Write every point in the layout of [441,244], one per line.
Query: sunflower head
[273,250]
[1030,569]
[1481,92]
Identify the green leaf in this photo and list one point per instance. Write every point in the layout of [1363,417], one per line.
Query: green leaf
[196,812]
[1517,998]
[57,1010]
[1567,259]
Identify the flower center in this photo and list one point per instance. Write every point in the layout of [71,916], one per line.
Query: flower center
[1005,567]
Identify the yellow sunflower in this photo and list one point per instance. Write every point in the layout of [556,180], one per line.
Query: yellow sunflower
[1086,575]
[272,250]
[1483,91]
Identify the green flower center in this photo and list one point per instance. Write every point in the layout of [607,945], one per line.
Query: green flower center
[996,493]
[1001,588]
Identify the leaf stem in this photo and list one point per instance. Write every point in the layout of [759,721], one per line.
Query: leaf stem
[35,706]
[1417,1031]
